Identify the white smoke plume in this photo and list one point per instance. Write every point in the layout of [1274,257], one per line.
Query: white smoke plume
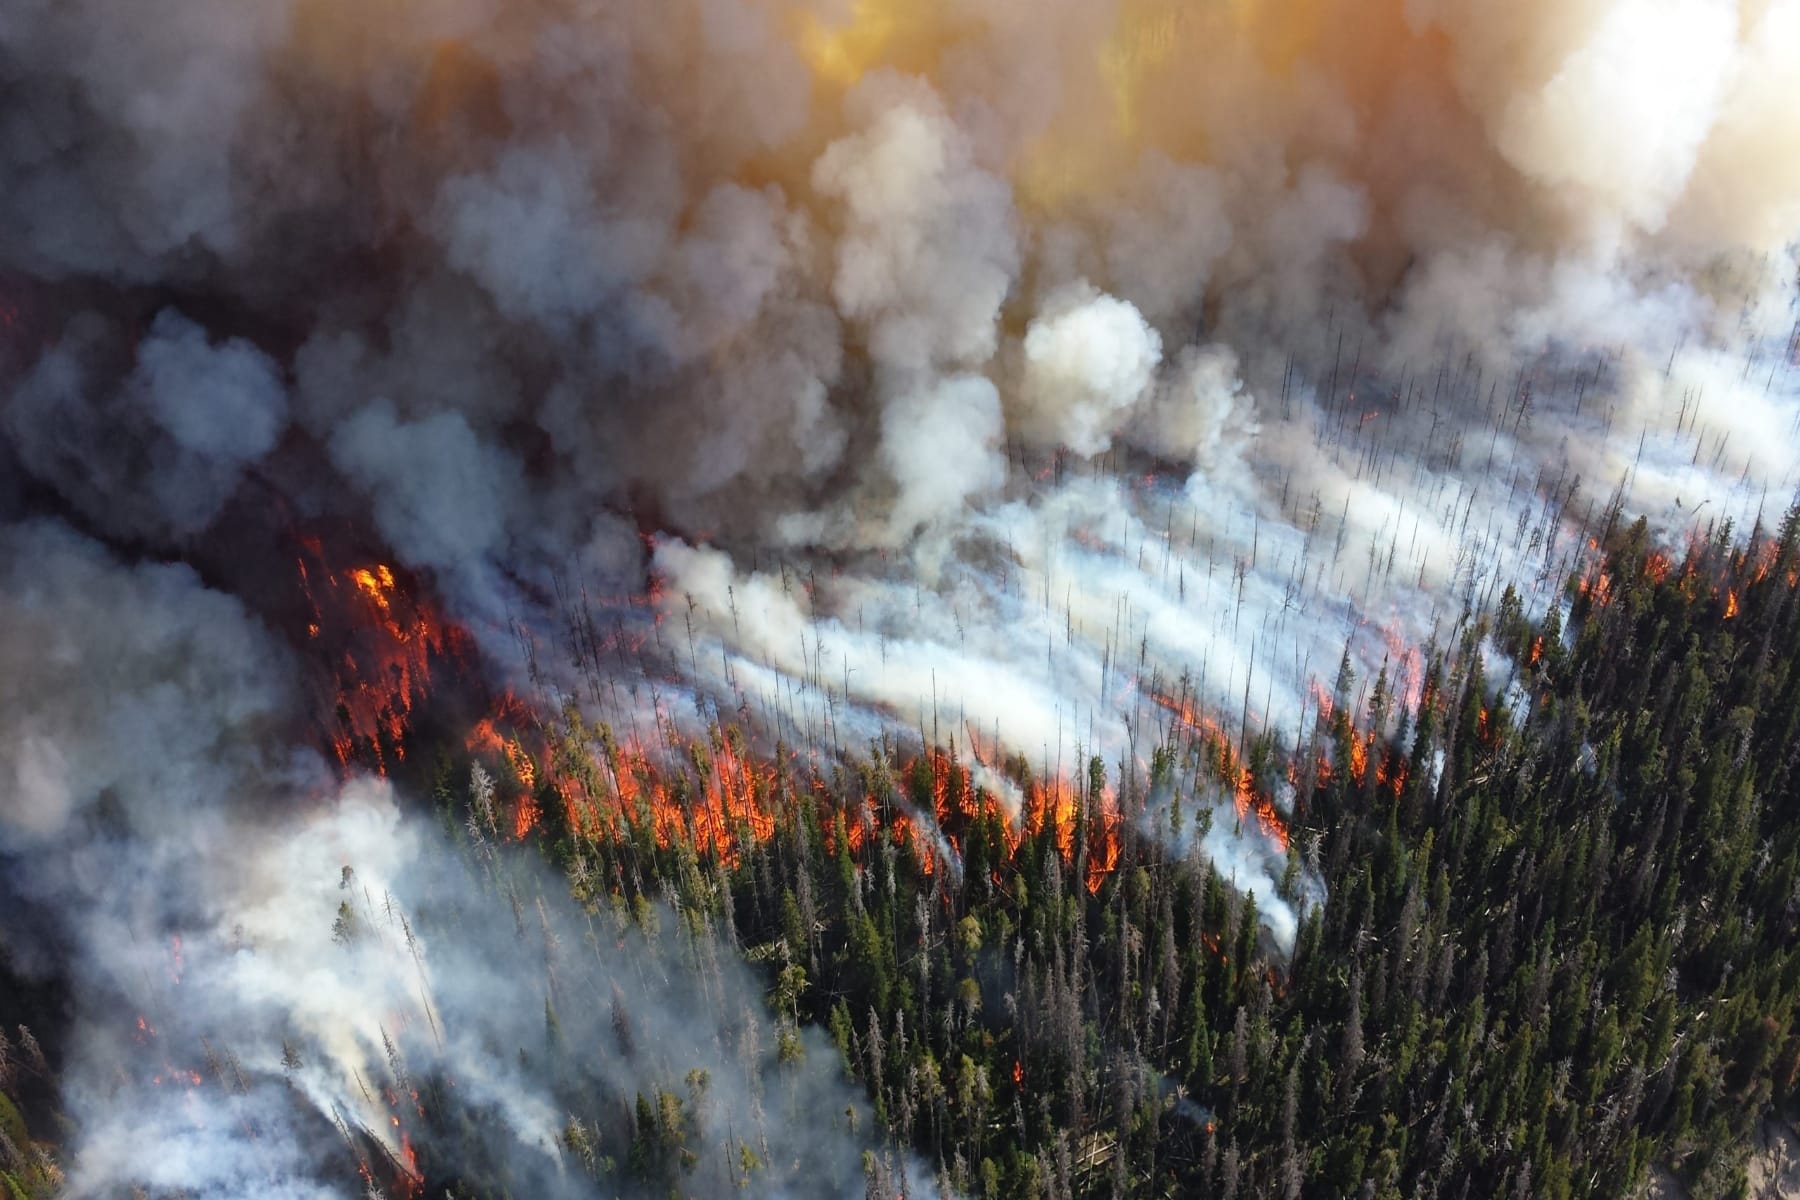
[1089,359]
[992,371]
[305,962]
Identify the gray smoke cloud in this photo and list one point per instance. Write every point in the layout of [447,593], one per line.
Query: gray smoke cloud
[1073,354]
[733,274]
[146,440]
[220,902]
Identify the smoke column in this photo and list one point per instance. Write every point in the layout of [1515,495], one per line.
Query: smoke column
[1044,377]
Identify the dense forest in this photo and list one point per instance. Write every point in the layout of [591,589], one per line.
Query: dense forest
[1558,950]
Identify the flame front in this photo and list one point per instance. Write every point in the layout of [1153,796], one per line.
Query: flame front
[1253,807]
[716,798]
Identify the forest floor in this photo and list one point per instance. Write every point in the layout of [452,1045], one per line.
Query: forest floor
[1774,1166]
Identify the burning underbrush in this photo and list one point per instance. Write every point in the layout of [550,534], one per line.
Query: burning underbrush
[640,768]
[605,794]
[715,789]
[376,643]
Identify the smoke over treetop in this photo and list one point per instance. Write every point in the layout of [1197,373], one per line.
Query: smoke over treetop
[302,956]
[846,278]
[1061,379]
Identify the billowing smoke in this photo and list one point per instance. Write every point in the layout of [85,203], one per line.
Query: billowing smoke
[175,426]
[1049,377]
[293,991]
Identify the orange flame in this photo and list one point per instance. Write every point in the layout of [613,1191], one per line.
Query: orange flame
[1103,848]
[1251,804]
[1597,588]
[525,817]
[712,796]
[1323,699]
[376,583]
[1359,759]
[381,643]
[1391,774]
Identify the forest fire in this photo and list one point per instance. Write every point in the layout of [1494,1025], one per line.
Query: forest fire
[381,644]
[957,803]
[714,794]
[1359,759]
[1707,569]
[1322,699]
[173,1075]
[1409,664]
[1391,773]
[1390,767]
[717,797]
[711,796]
[585,472]
[1251,804]
[377,584]
[1595,588]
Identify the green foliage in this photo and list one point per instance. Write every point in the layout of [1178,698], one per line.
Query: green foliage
[1559,948]
[344,929]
